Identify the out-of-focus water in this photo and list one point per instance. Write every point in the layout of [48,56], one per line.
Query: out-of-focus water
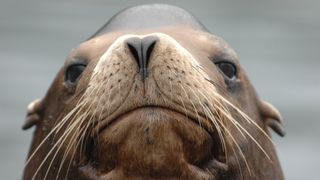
[278,42]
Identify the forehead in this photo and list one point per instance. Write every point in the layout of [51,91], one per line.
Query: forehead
[150,16]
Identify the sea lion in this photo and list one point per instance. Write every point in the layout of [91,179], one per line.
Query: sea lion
[152,95]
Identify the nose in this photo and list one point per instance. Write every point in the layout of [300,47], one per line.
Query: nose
[141,49]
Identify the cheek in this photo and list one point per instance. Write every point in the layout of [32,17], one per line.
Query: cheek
[214,74]
[84,79]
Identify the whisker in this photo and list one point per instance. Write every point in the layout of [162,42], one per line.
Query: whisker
[73,138]
[58,127]
[194,107]
[213,119]
[79,106]
[75,149]
[247,118]
[238,125]
[219,130]
[68,131]
[239,148]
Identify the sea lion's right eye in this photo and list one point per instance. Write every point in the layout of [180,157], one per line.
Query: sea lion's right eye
[73,72]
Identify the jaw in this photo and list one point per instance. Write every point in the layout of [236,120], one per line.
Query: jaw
[151,142]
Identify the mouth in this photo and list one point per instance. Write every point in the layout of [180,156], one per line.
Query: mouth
[101,126]
[152,141]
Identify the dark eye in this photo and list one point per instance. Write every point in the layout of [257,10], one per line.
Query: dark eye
[73,72]
[228,69]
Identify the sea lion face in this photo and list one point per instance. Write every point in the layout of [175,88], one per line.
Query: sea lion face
[149,104]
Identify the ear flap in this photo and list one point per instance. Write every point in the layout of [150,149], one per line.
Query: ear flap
[273,117]
[33,113]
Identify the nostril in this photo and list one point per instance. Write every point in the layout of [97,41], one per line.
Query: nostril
[148,44]
[135,48]
[141,49]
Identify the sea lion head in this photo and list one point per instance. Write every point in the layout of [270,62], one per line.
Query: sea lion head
[152,95]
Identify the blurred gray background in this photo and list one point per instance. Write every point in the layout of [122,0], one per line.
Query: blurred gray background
[278,42]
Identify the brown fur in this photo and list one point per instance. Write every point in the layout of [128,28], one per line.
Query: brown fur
[158,128]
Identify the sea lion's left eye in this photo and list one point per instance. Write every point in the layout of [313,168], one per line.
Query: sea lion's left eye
[73,72]
[227,68]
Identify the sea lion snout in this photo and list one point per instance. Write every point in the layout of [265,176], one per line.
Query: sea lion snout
[141,50]
[149,70]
